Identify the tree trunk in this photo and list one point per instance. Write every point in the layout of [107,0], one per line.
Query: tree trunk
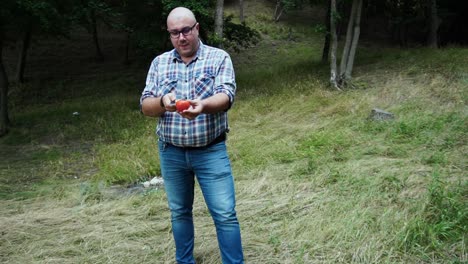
[94,32]
[434,24]
[334,45]
[4,120]
[326,44]
[219,22]
[348,41]
[126,59]
[25,42]
[278,11]
[352,52]
[127,33]
[241,11]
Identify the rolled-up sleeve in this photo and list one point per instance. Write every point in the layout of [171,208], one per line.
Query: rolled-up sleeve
[151,82]
[225,81]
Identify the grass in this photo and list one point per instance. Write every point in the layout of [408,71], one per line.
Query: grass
[316,180]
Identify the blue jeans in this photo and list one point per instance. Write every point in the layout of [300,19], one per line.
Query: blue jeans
[212,168]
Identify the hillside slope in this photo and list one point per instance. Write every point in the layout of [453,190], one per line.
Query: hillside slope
[317,181]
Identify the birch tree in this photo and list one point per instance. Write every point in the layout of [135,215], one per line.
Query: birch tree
[342,78]
[352,38]
[334,45]
[278,11]
[283,6]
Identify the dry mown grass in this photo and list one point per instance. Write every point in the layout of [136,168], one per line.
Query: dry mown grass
[316,183]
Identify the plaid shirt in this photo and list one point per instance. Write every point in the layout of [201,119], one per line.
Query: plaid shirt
[209,73]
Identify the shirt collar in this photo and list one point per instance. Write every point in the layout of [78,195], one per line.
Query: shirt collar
[200,55]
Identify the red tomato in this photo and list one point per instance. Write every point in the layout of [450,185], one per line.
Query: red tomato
[182,105]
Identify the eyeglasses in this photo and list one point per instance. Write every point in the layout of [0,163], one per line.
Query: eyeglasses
[185,31]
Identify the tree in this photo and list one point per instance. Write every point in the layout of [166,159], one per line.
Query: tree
[25,42]
[88,13]
[5,15]
[238,36]
[125,26]
[334,44]
[326,43]
[432,39]
[45,17]
[343,77]
[4,119]
[241,11]
[283,6]
[18,19]
[419,21]
[352,38]
[218,30]
[142,24]
[235,36]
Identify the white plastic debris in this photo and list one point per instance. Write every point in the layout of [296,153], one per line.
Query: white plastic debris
[146,184]
[156,181]
[76,113]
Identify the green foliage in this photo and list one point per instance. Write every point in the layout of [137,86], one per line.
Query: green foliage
[321,28]
[292,4]
[238,36]
[235,36]
[144,21]
[87,12]
[442,220]
[47,17]
[202,9]
[408,20]
[6,7]
[289,5]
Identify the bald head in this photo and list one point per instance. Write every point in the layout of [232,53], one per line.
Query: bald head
[181,13]
[184,31]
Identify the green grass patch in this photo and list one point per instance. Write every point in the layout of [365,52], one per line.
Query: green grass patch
[441,222]
[128,162]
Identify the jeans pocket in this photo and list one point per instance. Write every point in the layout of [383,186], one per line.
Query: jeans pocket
[162,146]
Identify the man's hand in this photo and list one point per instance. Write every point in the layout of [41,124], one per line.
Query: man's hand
[211,105]
[169,102]
[195,110]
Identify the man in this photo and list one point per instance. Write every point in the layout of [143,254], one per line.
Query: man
[192,142]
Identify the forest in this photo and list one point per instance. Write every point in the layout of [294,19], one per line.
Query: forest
[319,178]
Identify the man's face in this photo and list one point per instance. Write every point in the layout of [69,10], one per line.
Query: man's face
[186,42]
